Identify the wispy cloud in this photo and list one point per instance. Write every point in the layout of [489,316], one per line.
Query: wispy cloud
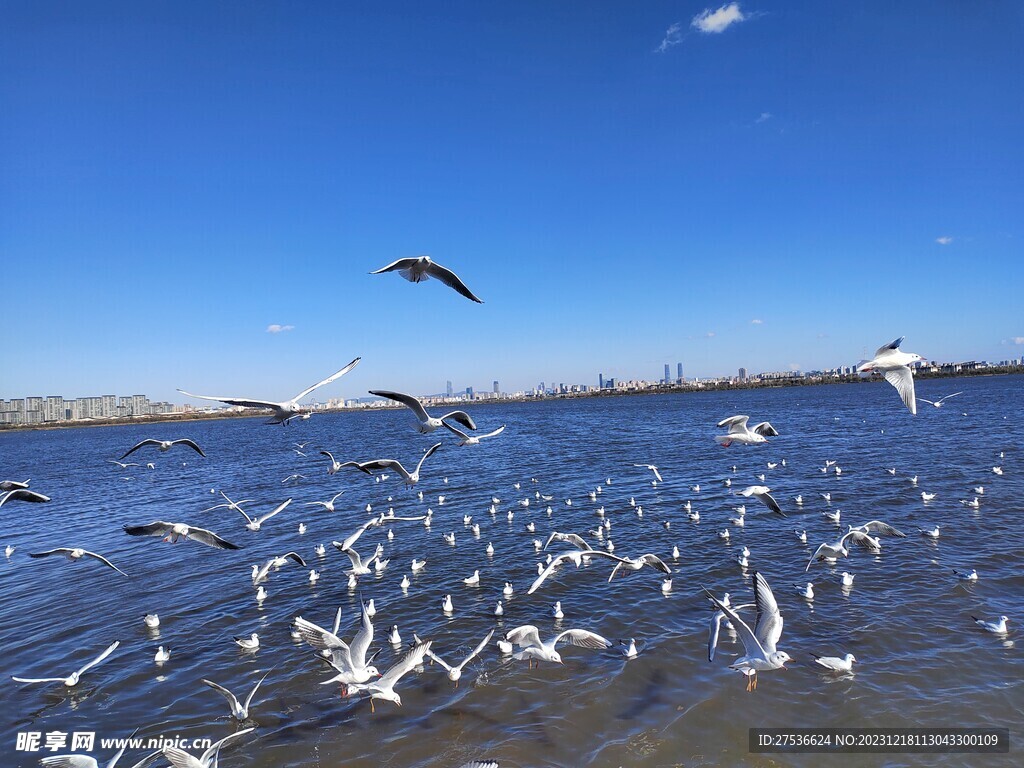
[1018,339]
[673,36]
[710,334]
[944,240]
[763,116]
[275,328]
[757,321]
[715,22]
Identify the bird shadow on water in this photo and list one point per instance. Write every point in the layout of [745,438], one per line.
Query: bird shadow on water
[650,697]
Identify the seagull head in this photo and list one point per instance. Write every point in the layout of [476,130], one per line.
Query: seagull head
[780,658]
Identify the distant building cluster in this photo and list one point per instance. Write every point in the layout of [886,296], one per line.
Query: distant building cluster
[54,408]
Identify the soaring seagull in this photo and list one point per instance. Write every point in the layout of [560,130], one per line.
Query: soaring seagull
[740,433]
[426,423]
[282,411]
[165,445]
[76,554]
[416,270]
[23,494]
[895,366]
[174,531]
[411,478]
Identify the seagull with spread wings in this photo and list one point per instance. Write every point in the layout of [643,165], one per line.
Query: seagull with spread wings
[895,366]
[411,478]
[740,433]
[425,423]
[454,673]
[416,270]
[173,532]
[72,679]
[23,494]
[465,439]
[938,403]
[283,411]
[384,688]
[763,494]
[239,711]
[527,637]
[75,554]
[165,445]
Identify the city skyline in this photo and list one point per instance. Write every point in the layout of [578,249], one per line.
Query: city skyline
[792,189]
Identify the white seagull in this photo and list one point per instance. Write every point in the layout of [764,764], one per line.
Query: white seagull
[527,637]
[740,433]
[172,532]
[181,759]
[763,494]
[760,644]
[938,403]
[23,494]
[254,523]
[454,673]
[239,711]
[327,505]
[895,366]
[465,439]
[418,269]
[836,663]
[995,627]
[425,422]
[76,554]
[410,478]
[165,445]
[72,679]
[384,688]
[653,469]
[282,411]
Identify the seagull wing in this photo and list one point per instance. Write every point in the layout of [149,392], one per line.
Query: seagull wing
[333,377]
[714,628]
[140,445]
[454,431]
[448,667]
[889,348]
[656,562]
[735,423]
[179,758]
[269,515]
[583,638]
[248,699]
[903,379]
[104,560]
[569,538]
[823,551]
[480,646]
[462,417]
[210,539]
[526,636]
[771,503]
[38,679]
[232,699]
[657,474]
[399,264]
[751,646]
[943,399]
[68,761]
[394,464]
[768,628]
[361,642]
[926,400]
[23,494]
[450,279]
[410,661]
[241,402]
[157,528]
[191,444]
[766,429]
[555,562]
[99,659]
[429,452]
[408,401]
[47,553]
[877,526]
[205,759]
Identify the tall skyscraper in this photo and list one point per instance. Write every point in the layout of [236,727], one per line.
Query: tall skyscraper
[600,381]
[667,380]
[469,392]
[449,389]
[743,374]
[679,372]
[497,389]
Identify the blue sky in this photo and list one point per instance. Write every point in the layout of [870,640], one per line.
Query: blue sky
[622,187]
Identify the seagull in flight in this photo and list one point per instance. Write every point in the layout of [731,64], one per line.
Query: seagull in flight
[527,637]
[740,433]
[165,445]
[425,422]
[416,270]
[465,439]
[236,505]
[23,494]
[348,659]
[763,494]
[181,759]
[653,469]
[72,679]
[760,644]
[384,688]
[254,523]
[938,403]
[411,478]
[454,673]
[76,554]
[895,366]
[173,532]
[327,505]
[84,761]
[260,573]
[238,710]
[282,411]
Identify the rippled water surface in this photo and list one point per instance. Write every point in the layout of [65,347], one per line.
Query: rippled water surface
[907,619]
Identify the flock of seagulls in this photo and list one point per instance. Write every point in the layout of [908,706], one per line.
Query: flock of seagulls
[353,663]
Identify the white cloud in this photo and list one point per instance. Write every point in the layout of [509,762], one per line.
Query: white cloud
[763,116]
[756,321]
[275,328]
[710,334]
[673,36]
[794,367]
[1018,339]
[944,240]
[714,22]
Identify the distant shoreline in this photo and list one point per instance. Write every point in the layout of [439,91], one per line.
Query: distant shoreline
[674,389]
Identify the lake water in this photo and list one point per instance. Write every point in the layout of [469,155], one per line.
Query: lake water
[923,662]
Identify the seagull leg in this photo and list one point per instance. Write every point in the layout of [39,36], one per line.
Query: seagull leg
[372,710]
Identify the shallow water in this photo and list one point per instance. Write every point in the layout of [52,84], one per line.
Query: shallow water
[907,620]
